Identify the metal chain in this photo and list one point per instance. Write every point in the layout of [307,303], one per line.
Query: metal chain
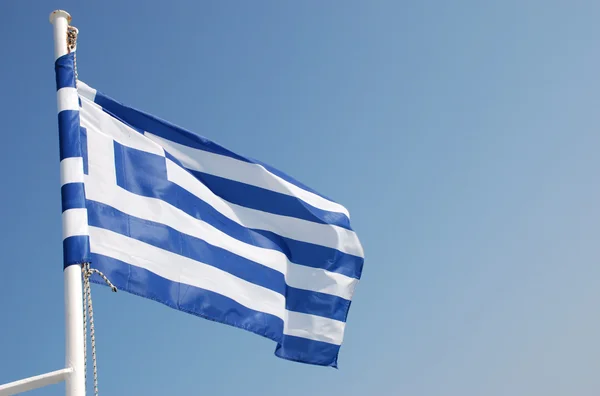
[87,308]
[85,321]
[72,33]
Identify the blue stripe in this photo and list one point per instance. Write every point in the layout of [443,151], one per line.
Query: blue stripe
[84,149]
[76,250]
[315,303]
[65,72]
[166,238]
[144,174]
[68,134]
[269,201]
[308,351]
[73,196]
[317,256]
[146,122]
[212,306]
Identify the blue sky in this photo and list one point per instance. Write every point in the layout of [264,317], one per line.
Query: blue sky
[462,136]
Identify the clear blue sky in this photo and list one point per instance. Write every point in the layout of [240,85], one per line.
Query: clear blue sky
[462,136]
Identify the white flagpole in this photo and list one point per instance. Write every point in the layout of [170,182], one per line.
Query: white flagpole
[74,352]
[74,373]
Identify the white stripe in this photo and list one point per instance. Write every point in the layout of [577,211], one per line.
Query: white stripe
[67,99]
[314,327]
[101,155]
[158,211]
[74,222]
[299,229]
[71,170]
[86,91]
[244,172]
[94,118]
[320,280]
[184,270]
[181,269]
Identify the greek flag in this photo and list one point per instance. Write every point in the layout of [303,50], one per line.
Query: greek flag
[174,217]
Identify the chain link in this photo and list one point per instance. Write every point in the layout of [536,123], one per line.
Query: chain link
[88,309]
[72,33]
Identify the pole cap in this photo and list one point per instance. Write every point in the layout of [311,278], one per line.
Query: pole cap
[59,13]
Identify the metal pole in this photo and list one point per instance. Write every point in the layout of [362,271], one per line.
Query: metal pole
[74,352]
[36,382]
